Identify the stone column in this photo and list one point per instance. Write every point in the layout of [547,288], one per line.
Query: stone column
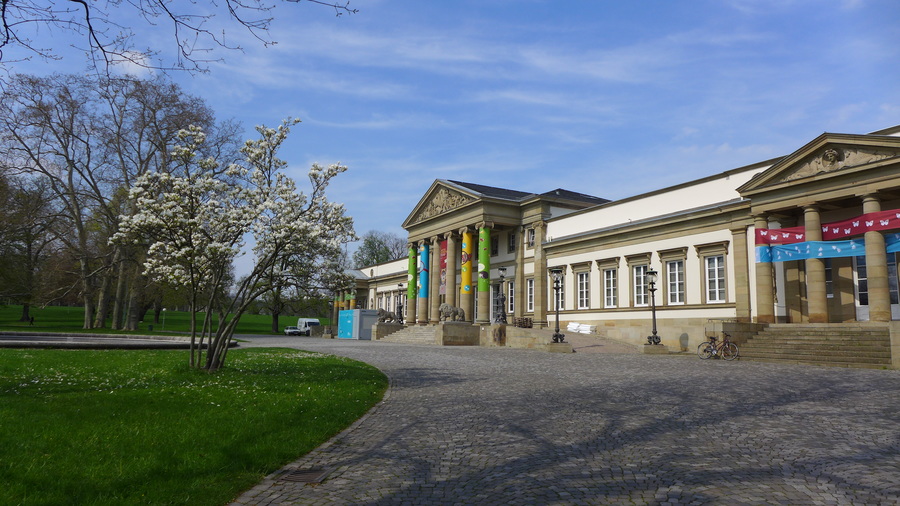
[876,268]
[451,268]
[411,287]
[741,274]
[815,269]
[466,291]
[434,280]
[519,287]
[484,273]
[540,275]
[423,266]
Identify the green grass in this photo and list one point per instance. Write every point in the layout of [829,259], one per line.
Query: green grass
[140,427]
[71,319]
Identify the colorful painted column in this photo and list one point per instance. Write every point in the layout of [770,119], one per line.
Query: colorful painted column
[423,266]
[451,290]
[466,292]
[484,274]
[411,289]
[435,281]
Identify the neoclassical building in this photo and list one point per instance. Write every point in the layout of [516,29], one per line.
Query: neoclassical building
[811,237]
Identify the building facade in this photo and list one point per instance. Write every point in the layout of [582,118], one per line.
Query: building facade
[808,238]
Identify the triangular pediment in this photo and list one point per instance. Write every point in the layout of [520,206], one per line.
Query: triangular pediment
[827,155]
[441,198]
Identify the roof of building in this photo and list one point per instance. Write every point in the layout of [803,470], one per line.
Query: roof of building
[516,195]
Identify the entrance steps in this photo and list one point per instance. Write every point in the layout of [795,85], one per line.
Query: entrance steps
[413,334]
[861,344]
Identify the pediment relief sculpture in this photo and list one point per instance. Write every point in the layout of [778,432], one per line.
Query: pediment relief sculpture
[442,201]
[832,159]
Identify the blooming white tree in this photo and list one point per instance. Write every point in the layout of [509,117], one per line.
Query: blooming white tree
[196,216]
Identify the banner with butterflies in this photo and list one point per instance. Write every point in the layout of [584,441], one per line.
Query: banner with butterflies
[786,244]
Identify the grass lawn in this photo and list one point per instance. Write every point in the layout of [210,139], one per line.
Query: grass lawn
[140,427]
[71,319]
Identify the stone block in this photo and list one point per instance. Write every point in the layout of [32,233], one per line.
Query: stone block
[654,349]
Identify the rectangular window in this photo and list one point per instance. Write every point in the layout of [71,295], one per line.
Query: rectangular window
[675,281]
[495,247]
[529,240]
[529,295]
[829,279]
[510,294]
[641,289]
[511,243]
[610,288]
[715,278]
[584,290]
[561,299]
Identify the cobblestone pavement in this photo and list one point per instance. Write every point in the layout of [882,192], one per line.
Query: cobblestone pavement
[467,425]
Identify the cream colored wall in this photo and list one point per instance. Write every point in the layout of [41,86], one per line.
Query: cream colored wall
[702,193]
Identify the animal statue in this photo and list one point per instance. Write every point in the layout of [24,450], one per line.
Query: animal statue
[451,313]
[386,316]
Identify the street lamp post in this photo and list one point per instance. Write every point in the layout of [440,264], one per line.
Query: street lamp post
[399,302]
[652,276]
[500,316]
[557,274]
[164,319]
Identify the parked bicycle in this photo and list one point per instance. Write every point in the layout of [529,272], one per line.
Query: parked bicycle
[712,348]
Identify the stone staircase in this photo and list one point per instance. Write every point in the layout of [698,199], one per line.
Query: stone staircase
[413,335]
[861,344]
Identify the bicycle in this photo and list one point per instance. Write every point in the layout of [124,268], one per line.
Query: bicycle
[725,349]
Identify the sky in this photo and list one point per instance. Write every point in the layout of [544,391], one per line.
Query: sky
[608,98]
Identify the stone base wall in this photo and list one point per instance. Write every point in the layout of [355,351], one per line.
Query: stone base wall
[458,334]
[677,334]
[382,330]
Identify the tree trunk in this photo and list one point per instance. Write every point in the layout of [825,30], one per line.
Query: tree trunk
[275,315]
[87,295]
[119,302]
[26,312]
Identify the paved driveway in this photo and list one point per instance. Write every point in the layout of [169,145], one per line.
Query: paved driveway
[465,425]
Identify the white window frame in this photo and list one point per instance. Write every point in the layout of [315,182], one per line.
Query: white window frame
[641,296]
[529,295]
[675,286]
[716,276]
[611,288]
[583,284]
[562,293]
[510,297]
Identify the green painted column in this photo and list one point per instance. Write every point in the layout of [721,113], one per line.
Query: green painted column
[411,290]
[484,274]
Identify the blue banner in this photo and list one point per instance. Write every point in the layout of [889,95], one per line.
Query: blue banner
[814,249]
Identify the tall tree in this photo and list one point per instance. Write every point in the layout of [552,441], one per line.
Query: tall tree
[379,247]
[102,29]
[198,215]
[90,139]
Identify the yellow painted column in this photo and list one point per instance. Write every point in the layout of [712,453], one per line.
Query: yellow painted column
[876,268]
[466,288]
[817,297]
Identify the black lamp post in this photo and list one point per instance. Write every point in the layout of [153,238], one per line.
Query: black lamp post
[652,276]
[557,274]
[500,314]
[399,302]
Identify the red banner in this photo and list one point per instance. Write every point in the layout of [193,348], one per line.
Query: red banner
[882,220]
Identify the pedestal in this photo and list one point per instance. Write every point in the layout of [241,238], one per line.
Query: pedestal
[654,349]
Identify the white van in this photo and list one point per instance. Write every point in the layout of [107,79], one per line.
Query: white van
[305,325]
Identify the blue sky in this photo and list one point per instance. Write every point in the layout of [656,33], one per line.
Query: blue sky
[609,98]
